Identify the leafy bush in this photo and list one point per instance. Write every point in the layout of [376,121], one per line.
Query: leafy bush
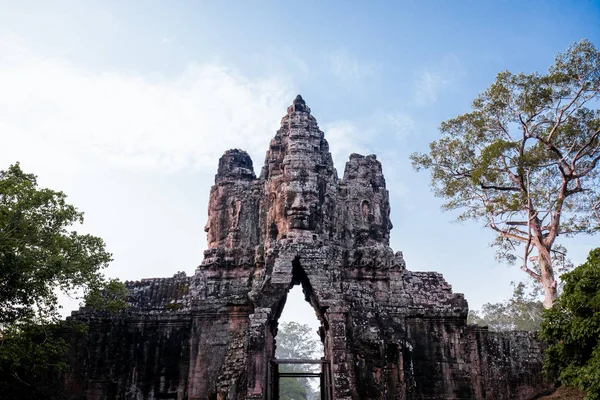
[572,328]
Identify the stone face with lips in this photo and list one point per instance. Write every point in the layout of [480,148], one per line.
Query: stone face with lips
[303,208]
[298,173]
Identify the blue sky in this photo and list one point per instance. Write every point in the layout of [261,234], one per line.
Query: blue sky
[127,106]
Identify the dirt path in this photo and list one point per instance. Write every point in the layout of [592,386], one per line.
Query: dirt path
[565,393]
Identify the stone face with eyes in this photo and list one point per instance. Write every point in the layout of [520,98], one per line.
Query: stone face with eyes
[294,203]
[302,208]
[298,175]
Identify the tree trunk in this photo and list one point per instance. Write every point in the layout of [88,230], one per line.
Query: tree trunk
[547,275]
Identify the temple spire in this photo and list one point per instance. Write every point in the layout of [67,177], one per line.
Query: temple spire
[298,105]
[299,100]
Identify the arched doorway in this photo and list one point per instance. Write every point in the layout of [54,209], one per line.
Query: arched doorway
[299,368]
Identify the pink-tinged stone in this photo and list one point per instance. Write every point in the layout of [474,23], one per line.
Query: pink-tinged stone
[388,332]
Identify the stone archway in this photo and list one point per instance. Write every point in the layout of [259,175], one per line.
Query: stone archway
[316,367]
[270,301]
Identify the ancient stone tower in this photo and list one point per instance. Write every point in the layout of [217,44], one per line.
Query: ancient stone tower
[388,333]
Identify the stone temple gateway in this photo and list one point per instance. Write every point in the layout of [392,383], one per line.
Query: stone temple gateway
[388,332]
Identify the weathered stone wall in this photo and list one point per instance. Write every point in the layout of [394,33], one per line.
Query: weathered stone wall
[388,333]
[131,358]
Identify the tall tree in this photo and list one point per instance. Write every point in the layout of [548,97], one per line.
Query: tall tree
[40,255]
[525,161]
[297,341]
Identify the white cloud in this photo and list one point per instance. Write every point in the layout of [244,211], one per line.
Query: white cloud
[64,116]
[165,40]
[348,69]
[432,80]
[106,137]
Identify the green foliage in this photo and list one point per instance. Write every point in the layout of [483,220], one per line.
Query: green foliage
[39,253]
[572,328]
[522,312]
[292,389]
[297,341]
[526,160]
[40,256]
[109,298]
[31,356]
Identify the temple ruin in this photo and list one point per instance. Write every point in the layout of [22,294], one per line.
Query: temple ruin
[388,332]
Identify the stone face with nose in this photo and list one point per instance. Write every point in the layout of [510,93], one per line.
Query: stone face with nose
[299,212]
[298,204]
[298,172]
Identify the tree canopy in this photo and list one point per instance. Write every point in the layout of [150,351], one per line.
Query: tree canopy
[297,341]
[39,251]
[42,255]
[572,328]
[522,312]
[525,160]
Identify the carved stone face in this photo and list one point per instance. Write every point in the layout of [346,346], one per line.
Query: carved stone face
[302,210]
[295,204]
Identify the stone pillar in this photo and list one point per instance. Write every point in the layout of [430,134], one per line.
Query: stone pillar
[257,355]
[340,357]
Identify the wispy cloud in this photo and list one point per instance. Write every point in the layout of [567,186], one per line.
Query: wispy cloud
[63,118]
[347,137]
[427,87]
[348,69]
[60,115]
[402,124]
[344,138]
[283,61]
[295,60]
[431,80]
